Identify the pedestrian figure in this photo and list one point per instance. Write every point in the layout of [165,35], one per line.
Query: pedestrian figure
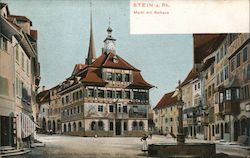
[150,134]
[144,143]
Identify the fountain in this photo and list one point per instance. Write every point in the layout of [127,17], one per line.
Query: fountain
[182,149]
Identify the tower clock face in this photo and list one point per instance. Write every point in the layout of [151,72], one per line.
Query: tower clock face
[110,45]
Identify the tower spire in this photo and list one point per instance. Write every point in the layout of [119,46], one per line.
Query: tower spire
[91,52]
[109,42]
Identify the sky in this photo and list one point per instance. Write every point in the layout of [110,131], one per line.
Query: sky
[63,38]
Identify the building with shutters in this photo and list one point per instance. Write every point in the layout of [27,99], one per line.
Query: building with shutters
[19,78]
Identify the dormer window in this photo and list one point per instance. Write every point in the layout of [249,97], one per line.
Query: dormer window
[127,78]
[115,59]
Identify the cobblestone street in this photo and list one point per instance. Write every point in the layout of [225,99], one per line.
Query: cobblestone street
[57,146]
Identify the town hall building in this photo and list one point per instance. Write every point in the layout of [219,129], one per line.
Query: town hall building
[106,96]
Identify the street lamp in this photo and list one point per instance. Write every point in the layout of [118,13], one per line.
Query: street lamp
[180,135]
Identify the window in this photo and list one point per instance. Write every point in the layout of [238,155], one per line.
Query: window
[119,94]
[80,93]
[109,76]
[217,57]
[118,77]
[100,125]
[199,85]
[171,119]
[111,108]
[3,43]
[225,47]
[125,109]
[166,120]
[228,94]
[67,99]
[212,69]
[218,79]
[62,100]
[93,125]
[109,94]
[127,78]
[221,53]
[77,95]
[238,60]
[221,76]
[141,125]
[43,110]
[245,54]
[195,87]
[134,126]
[78,109]
[100,93]
[127,94]
[125,126]
[226,72]
[111,126]
[100,108]
[221,97]
[91,92]
[232,64]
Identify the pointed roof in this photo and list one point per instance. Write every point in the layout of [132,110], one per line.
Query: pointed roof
[167,100]
[107,60]
[91,52]
[139,82]
[93,77]
[191,75]
[78,67]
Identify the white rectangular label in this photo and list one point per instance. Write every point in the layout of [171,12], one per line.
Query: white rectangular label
[192,16]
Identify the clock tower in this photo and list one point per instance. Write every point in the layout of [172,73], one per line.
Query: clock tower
[109,42]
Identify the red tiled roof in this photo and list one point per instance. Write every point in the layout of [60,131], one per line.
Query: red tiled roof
[167,100]
[106,60]
[191,75]
[43,96]
[205,44]
[78,67]
[139,82]
[93,76]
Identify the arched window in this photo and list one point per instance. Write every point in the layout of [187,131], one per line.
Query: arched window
[49,125]
[141,125]
[69,127]
[64,128]
[79,126]
[100,125]
[93,125]
[134,126]
[74,126]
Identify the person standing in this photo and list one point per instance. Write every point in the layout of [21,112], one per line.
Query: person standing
[144,143]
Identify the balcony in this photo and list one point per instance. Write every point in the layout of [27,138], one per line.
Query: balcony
[231,107]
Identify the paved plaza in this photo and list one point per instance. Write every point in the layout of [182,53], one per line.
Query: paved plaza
[58,146]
